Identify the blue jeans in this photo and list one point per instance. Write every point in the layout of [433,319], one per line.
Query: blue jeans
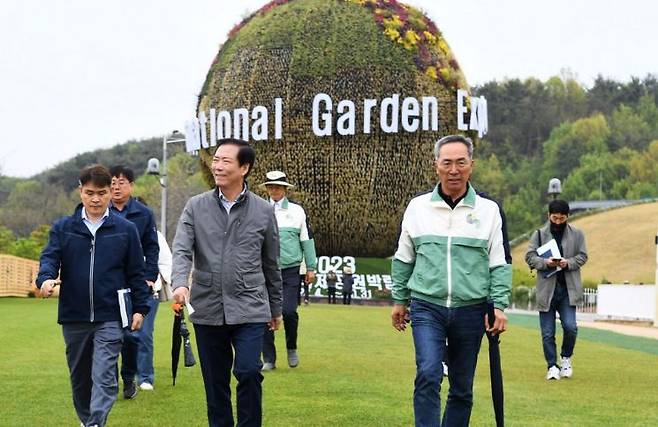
[145,372]
[463,327]
[216,345]
[560,304]
[137,351]
[92,351]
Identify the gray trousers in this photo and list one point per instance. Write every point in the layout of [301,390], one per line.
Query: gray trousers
[92,351]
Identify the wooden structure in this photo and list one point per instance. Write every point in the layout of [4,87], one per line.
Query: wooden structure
[17,276]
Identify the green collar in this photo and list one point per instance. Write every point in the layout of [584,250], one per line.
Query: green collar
[284,202]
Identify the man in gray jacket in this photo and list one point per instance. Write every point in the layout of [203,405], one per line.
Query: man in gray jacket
[231,236]
[559,288]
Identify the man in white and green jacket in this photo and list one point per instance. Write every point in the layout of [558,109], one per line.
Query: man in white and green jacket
[452,257]
[296,245]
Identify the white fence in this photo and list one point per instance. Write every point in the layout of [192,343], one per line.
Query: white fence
[590,298]
[626,302]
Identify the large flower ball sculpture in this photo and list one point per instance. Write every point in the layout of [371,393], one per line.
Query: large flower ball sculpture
[309,62]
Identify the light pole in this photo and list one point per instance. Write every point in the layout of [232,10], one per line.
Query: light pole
[554,188]
[155,168]
[655,285]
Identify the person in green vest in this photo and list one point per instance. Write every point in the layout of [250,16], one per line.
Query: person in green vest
[296,245]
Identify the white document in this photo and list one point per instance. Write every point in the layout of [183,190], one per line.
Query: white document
[549,250]
[190,310]
[125,307]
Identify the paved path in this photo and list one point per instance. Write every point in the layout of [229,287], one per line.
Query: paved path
[622,328]
[586,320]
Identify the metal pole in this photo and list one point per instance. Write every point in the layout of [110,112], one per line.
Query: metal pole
[163,183]
[655,286]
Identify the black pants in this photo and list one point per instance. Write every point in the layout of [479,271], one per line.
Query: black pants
[347,298]
[331,295]
[290,278]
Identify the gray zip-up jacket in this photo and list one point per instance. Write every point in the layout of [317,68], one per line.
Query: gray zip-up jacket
[574,251]
[236,276]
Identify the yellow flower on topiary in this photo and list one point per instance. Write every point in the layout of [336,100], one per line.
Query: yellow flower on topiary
[431,71]
[394,22]
[411,36]
[431,38]
[443,46]
[409,40]
[393,34]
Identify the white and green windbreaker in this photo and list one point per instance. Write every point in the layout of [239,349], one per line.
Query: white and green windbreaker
[452,257]
[295,236]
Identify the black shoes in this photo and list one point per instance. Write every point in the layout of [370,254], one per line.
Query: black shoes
[129,390]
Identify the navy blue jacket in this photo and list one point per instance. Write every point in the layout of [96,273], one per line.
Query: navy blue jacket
[93,269]
[142,217]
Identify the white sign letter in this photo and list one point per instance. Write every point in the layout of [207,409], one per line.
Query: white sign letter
[473,124]
[394,103]
[461,109]
[368,105]
[202,125]
[430,111]
[346,122]
[259,126]
[278,123]
[326,116]
[213,127]
[241,124]
[410,110]
[483,117]
[192,135]
[223,125]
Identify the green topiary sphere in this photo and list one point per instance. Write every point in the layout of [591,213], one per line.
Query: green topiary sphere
[354,188]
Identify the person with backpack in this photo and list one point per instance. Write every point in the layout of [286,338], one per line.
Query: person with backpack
[559,286]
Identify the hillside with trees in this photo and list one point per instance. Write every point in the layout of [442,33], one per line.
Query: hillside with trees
[601,142]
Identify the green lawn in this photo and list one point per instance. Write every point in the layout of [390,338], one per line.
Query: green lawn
[355,371]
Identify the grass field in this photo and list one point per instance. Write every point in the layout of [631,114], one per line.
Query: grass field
[355,370]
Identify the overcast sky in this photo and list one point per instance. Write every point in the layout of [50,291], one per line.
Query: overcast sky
[78,75]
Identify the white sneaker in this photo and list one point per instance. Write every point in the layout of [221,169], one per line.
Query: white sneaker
[445,369]
[146,386]
[566,371]
[553,373]
[268,366]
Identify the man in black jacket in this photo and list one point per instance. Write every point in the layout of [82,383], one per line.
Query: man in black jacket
[99,260]
[137,351]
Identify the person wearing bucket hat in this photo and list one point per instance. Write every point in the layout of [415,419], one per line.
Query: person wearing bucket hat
[296,245]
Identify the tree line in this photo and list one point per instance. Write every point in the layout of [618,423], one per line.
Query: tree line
[601,142]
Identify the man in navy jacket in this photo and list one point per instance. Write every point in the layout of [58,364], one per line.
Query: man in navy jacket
[99,261]
[137,351]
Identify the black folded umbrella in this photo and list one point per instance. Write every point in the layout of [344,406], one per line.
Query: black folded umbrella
[176,341]
[188,356]
[180,336]
[497,394]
